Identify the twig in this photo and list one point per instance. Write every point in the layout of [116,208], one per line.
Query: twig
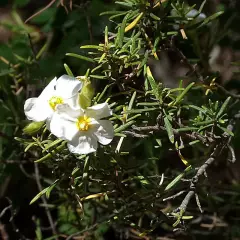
[185,60]
[174,196]
[40,188]
[89,24]
[186,200]
[40,11]
[4,210]
[11,220]
[133,134]
[32,47]
[193,136]
[198,203]
[227,92]
[195,179]
[103,220]
[231,150]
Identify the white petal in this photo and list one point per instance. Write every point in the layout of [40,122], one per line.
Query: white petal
[202,16]
[67,112]
[48,91]
[193,13]
[104,131]
[99,111]
[83,144]
[37,110]
[68,87]
[63,128]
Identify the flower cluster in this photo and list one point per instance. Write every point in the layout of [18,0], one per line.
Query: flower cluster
[59,106]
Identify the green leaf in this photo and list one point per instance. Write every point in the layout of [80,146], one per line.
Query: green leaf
[134,22]
[198,108]
[98,77]
[112,12]
[100,48]
[155,17]
[86,95]
[103,92]
[204,122]
[52,144]
[132,100]
[182,95]
[140,110]
[68,70]
[123,127]
[50,155]
[211,18]
[223,107]
[202,6]
[177,179]
[169,129]
[125,4]
[50,188]
[85,172]
[205,127]
[80,57]
[153,83]
[133,117]
[39,195]
[225,130]
[121,32]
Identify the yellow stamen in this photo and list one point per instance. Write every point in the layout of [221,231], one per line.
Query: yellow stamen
[54,101]
[83,123]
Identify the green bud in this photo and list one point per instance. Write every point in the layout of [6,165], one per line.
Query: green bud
[33,128]
[86,94]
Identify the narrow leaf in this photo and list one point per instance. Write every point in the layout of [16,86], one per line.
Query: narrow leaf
[134,22]
[68,70]
[177,179]
[121,31]
[211,18]
[226,130]
[169,129]
[223,107]
[80,57]
[124,127]
[181,96]
[153,83]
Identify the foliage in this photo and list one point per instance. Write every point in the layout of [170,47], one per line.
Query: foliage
[152,177]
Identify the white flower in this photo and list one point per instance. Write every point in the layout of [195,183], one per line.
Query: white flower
[62,90]
[83,129]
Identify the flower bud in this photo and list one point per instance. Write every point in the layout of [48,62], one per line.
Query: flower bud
[33,128]
[86,94]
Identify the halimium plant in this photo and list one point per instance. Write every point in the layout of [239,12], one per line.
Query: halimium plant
[123,148]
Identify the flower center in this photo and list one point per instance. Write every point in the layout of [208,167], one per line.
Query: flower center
[83,123]
[54,101]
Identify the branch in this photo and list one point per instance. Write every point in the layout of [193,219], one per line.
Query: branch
[217,151]
[185,60]
[192,136]
[133,134]
[227,92]
[40,188]
[40,11]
